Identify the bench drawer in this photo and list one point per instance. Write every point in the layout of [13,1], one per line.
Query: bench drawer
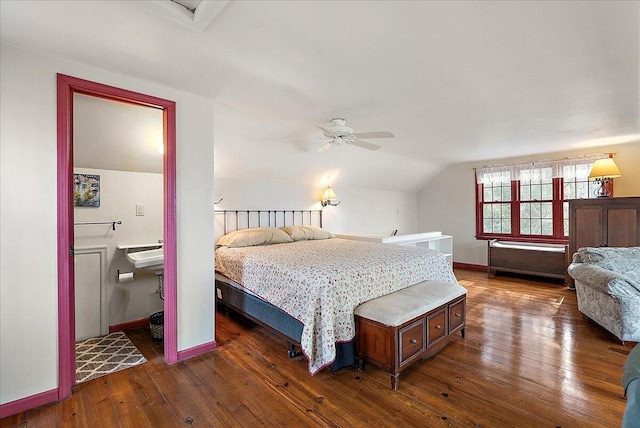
[456,315]
[412,340]
[437,326]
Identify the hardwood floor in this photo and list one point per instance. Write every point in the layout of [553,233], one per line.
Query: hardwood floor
[529,359]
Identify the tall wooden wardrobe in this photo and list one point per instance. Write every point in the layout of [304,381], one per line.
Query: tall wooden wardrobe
[604,222]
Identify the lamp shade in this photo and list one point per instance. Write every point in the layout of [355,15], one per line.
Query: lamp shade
[329,194]
[604,168]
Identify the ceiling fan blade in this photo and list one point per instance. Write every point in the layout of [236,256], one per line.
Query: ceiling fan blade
[326,146]
[327,132]
[380,134]
[364,144]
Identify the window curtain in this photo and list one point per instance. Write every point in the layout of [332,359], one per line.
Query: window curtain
[577,167]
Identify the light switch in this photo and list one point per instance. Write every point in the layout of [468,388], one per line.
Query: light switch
[139,209]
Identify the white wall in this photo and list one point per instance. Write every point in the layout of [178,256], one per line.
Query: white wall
[28,254]
[360,210]
[447,202]
[120,191]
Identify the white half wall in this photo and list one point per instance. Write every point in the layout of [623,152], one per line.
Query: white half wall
[360,210]
[28,254]
[447,202]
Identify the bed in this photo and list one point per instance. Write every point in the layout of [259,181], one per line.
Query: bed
[308,289]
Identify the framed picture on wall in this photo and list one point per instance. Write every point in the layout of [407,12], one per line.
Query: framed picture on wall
[86,190]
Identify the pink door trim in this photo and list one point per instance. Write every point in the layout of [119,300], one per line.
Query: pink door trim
[67,86]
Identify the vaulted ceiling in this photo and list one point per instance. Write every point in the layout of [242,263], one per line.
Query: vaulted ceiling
[454,81]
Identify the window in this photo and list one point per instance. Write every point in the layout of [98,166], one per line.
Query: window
[529,202]
[536,202]
[497,209]
[576,185]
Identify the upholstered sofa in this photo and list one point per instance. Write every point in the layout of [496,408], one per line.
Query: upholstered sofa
[607,281]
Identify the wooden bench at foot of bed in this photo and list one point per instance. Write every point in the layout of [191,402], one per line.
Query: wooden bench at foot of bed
[395,330]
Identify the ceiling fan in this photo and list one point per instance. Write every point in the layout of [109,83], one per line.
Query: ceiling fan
[339,133]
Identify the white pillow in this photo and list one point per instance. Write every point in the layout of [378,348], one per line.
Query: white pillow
[304,233]
[254,236]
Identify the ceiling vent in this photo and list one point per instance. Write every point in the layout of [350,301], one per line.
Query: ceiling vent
[192,5]
[194,14]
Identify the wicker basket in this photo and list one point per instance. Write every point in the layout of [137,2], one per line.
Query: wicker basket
[156,323]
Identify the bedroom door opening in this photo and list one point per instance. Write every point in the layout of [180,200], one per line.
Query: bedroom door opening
[117,165]
[68,87]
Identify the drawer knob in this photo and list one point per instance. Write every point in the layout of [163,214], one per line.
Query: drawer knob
[438,326]
[458,315]
[414,341]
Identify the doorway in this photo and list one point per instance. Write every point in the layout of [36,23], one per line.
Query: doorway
[68,86]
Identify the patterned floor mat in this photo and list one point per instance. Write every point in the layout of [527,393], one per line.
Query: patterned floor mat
[99,356]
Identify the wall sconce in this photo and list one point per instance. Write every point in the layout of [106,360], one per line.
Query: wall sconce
[602,171]
[327,196]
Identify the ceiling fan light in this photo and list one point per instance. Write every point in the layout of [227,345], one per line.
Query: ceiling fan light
[326,146]
[338,132]
[342,130]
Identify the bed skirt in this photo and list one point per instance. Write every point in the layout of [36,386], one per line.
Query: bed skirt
[275,319]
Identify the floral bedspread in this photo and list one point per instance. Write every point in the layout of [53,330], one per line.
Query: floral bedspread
[321,282]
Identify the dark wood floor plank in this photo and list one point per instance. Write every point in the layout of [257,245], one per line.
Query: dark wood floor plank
[529,359]
[272,363]
[270,410]
[71,413]
[511,398]
[182,393]
[17,420]
[134,405]
[152,403]
[318,394]
[128,412]
[383,404]
[96,402]
[226,401]
[307,394]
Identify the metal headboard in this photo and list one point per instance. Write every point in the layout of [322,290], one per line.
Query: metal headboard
[245,219]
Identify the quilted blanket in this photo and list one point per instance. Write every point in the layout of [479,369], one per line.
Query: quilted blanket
[321,282]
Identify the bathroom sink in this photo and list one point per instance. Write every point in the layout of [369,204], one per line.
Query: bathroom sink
[149,260]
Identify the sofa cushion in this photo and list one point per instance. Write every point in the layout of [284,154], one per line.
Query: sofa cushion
[613,268]
[616,259]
